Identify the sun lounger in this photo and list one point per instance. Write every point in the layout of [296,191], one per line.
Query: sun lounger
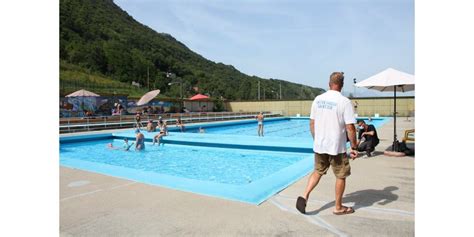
[409,135]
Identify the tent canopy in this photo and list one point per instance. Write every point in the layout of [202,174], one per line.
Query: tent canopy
[199,97]
[82,92]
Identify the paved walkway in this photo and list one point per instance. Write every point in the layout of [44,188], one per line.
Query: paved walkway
[381,189]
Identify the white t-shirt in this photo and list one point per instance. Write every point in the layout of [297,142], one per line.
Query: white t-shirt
[331,112]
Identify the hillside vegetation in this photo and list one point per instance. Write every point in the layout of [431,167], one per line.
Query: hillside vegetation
[102,48]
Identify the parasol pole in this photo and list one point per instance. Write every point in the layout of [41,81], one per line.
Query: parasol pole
[394,117]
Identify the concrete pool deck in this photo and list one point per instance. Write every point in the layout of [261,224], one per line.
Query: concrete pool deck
[381,188]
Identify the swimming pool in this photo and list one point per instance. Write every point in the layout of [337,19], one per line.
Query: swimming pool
[288,127]
[228,161]
[273,128]
[238,174]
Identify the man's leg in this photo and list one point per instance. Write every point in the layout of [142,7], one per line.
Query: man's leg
[362,146]
[342,169]
[321,163]
[312,182]
[370,146]
[367,147]
[340,186]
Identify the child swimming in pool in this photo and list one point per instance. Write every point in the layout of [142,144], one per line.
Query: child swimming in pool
[125,147]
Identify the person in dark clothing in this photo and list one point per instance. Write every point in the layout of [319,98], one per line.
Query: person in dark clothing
[138,120]
[368,138]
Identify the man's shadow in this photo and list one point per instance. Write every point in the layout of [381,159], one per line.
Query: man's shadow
[364,198]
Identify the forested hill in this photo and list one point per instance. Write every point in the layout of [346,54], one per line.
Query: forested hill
[99,40]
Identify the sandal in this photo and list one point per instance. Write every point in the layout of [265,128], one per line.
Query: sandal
[301,204]
[347,210]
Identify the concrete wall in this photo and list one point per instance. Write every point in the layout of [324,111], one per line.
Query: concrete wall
[198,106]
[365,106]
[384,106]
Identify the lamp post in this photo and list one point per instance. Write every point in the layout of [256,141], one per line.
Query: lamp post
[355,81]
[276,94]
[181,88]
[258,89]
[280,90]
[178,81]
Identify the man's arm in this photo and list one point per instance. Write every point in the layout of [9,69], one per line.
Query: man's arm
[371,133]
[311,127]
[351,133]
[349,119]
[359,136]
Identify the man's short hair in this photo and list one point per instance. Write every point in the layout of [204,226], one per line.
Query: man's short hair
[337,78]
[360,121]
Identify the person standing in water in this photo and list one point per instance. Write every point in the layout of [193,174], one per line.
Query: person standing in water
[138,120]
[140,141]
[180,124]
[163,132]
[260,124]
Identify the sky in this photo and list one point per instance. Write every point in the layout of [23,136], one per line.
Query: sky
[298,41]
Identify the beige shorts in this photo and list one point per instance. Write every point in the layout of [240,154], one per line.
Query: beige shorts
[340,164]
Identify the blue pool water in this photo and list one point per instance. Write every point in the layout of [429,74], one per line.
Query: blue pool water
[230,166]
[238,174]
[278,128]
[294,128]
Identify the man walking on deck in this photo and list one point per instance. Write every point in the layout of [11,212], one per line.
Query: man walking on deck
[332,115]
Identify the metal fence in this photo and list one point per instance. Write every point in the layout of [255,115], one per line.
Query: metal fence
[77,124]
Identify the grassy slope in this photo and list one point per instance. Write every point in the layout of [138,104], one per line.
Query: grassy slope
[72,78]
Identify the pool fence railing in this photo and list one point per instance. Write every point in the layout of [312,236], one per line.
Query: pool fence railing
[78,124]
